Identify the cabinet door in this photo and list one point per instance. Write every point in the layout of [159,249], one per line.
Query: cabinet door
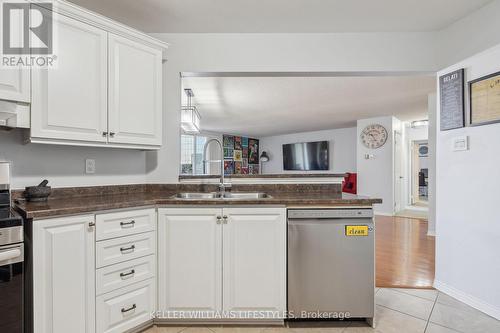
[14,84]
[254,261]
[64,275]
[189,261]
[14,81]
[69,100]
[135,93]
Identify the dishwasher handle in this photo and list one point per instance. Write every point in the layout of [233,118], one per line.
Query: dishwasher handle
[330,214]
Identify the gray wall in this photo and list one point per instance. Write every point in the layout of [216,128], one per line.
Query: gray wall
[342,148]
[65,165]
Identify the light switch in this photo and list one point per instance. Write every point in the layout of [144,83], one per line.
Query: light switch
[461,143]
[89,166]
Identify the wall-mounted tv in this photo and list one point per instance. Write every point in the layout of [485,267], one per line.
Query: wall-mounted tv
[306,156]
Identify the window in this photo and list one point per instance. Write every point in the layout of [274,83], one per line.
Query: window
[192,154]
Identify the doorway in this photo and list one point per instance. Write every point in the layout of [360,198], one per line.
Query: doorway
[398,171]
[420,173]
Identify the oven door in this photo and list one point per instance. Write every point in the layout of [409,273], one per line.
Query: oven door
[11,288]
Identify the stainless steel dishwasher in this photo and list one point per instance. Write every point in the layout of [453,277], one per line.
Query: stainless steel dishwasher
[331,269]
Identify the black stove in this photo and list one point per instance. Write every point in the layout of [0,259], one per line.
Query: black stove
[12,268]
[9,218]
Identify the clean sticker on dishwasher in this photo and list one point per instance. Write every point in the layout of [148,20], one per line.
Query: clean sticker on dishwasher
[356,230]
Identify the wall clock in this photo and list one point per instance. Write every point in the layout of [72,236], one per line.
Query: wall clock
[374,136]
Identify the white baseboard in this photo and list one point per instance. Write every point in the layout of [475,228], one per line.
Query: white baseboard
[472,301]
[417,208]
[383,214]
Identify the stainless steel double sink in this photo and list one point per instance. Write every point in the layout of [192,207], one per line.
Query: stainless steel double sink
[222,196]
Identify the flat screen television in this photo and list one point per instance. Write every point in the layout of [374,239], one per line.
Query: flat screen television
[306,156]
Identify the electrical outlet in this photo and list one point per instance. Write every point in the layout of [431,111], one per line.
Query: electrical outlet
[89,166]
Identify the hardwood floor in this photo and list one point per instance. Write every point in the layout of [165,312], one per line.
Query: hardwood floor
[404,253]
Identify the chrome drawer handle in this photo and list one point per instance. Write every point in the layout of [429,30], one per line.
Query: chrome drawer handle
[122,275]
[125,224]
[130,248]
[133,307]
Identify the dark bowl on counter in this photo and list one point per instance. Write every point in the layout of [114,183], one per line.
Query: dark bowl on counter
[37,193]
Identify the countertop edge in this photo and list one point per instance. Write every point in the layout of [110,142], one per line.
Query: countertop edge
[65,211]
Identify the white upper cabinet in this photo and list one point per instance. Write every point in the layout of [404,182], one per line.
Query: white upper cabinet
[70,99]
[64,275]
[255,261]
[104,89]
[135,92]
[15,84]
[14,81]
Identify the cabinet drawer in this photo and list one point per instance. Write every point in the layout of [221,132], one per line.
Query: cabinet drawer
[112,225]
[118,250]
[124,274]
[126,308]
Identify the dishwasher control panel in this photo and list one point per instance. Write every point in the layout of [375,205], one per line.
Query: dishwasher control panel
[338,213]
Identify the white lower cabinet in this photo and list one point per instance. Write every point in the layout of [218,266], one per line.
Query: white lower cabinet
[124,274]
[254,262]
[64,275]
[126,269]
[74,292]
[125,308]
[190,262]
[222,263]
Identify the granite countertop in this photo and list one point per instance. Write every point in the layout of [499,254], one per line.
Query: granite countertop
[276,175]
[69,201]
[59,206]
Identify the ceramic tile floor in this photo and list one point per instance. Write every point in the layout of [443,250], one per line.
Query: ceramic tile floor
[397,311]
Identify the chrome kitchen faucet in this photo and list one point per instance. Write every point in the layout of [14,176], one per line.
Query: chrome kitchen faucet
[222,185]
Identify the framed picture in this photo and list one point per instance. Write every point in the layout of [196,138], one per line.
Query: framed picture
[484,94]
[244,141]
[228,168]
[452,101]
[237,143]
[253,151]
[228,153]
[228,141]
[237,168]
[237,155]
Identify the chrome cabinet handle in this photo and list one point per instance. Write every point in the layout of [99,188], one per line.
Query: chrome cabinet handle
[104,133]
[125,224]
[225,219]
[130,248]
[91,224]
[132,272]
[133,307]
[219,218]
[112,134]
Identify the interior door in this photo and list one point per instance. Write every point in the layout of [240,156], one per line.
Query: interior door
[254,261]
[135,92]
[69,100]
[189,261]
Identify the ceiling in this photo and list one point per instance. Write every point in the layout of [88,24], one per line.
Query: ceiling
[264,106]
[284,16]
